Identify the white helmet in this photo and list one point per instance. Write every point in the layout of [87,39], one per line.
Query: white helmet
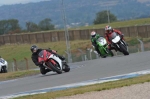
[108,28]
[93,33]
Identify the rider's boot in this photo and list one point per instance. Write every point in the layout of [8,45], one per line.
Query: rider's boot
[43,70]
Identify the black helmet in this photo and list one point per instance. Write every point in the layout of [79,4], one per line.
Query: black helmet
[34,48]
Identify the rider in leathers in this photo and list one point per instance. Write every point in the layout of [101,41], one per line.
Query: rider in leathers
[35,51]
[94,37]
[108,32]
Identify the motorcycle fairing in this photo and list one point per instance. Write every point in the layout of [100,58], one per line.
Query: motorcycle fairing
[116,39]
[52,56]
[102,41]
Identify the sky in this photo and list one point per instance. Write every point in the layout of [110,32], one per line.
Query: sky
[9,2]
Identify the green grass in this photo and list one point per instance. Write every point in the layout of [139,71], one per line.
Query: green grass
[132,41]
[96,87]
[20,51]
[135,22]
[18,74]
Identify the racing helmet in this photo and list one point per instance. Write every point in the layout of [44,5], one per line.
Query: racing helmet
[34,48]
[93,34]
[108,29]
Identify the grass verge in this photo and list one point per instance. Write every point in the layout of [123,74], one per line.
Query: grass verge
[96,87]
[18,74]
[118,24]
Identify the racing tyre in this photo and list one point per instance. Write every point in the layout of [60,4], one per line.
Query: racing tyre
[67,68]
[124,49]
[42,70]
[4,70]
[55,68]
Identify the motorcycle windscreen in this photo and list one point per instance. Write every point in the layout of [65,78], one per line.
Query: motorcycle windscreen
[113,35]
[42,56]
[2,61]
[115,38]
[102,41]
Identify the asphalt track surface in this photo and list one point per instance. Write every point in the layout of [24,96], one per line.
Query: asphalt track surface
[81,71]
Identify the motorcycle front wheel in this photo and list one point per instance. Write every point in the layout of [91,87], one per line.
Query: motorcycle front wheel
[124,49]
[55,68]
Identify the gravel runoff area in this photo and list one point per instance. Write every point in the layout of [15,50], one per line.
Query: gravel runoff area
[137,91]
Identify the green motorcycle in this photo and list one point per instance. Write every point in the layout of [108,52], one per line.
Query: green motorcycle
[103,47]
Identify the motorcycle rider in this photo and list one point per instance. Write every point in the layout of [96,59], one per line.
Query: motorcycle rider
[35,51]
[108,31]
[94,37]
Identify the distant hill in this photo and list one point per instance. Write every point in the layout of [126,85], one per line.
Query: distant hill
[78,12]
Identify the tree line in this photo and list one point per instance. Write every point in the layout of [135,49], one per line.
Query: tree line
[12,26]
[102,17]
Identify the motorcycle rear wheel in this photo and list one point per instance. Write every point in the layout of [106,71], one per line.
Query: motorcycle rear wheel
[4,69]
[67,68]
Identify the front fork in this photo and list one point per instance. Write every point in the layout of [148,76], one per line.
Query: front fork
[122,42]
[47,65]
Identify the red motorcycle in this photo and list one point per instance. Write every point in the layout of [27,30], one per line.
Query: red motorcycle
[52,62]
[119,43]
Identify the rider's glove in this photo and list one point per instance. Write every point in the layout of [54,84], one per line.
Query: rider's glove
[122,35]
[54,51]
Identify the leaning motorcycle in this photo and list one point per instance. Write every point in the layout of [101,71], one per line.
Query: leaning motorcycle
[119,43]
[52,62]
[103,47]
[3,65]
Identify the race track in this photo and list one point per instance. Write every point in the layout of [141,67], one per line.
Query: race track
[82,71]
